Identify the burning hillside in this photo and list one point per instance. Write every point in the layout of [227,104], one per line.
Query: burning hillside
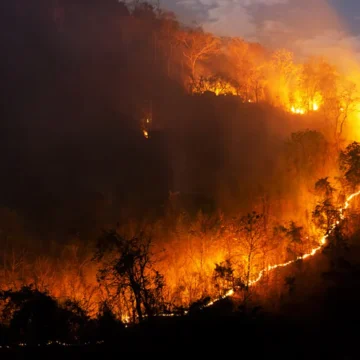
[167,169]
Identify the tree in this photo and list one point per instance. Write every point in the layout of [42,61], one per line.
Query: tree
[294,234]
[249,69]
[325,215]
[252,238]
[197,45]
[35,317]
[257,82]
[284,74]
[224,277]
[127,265]
[238,51]
[309,83]
[336,248]
[339,104]
[282,62]
[43,273]
[350,164]
[324,189]
[108,326]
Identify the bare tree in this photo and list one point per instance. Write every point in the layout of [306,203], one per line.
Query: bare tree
[251,238]
[14,268]
[128,265]
[43,273]
[197,45]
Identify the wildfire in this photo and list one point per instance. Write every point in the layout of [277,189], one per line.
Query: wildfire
[302,111]
[297,110]
[302,257]
[216,85]
[313,251]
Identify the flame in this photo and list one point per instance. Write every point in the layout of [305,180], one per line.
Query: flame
[302,111]
[216,86]
[313,251]
[323,242]
[299,111]
[146,134]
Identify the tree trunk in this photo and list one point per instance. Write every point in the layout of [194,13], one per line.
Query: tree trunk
[248,270]
[137,293]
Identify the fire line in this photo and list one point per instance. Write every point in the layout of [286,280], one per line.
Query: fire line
[313,252]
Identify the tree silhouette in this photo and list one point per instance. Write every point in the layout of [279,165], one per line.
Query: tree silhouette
[224,277]
[325,215]
[350,164]
[294,235]
[127,265]
[35,317]
[324,189]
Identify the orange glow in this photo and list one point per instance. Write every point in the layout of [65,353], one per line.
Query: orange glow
[311,253]
[297,110]
[188,266]
[314,250]
[302,111]
[217,86]
[146,134]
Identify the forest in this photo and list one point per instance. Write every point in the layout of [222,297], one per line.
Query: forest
[161,182]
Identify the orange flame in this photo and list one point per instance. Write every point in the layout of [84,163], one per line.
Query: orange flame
[303,257]
[313,252]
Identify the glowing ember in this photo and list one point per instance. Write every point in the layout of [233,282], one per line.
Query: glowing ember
[303,257]
[313,251]
[302,111]
[297,111]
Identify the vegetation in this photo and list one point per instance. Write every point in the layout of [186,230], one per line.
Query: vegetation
[163,168]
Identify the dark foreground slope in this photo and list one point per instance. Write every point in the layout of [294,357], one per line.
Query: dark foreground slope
[309,325]
[221,330]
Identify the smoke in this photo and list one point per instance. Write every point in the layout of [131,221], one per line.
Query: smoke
[305,27]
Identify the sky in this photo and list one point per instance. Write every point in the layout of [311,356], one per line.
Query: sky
[306,27]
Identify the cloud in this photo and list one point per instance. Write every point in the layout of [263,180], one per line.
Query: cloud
[305,26]
[225,17]
[230,19]
[234,17]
